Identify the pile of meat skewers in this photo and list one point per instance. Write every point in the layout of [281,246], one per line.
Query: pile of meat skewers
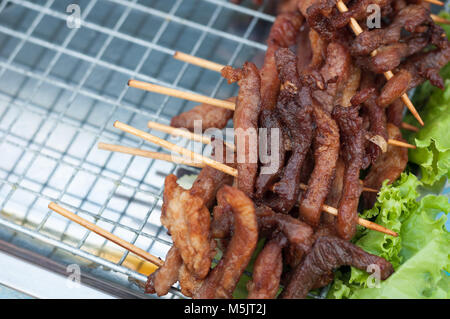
[335,112]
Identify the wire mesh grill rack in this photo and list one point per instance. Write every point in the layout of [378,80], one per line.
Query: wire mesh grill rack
[61,89]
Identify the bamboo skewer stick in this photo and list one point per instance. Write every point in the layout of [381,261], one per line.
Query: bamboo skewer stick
[199,138]
[148,154]
[191,59]
[166,157]
[183,133]
[180,94]
[409,127]
[227,169]
[105,234]
[437,2]
[358,30]
[370,190]
[401,144]
[173,147]
[439,19]
[203,99]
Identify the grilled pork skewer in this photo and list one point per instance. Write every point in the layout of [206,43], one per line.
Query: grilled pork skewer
[212,101]
[230,170]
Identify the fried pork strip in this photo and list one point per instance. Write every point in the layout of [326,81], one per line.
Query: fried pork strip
[246,122]
[208,116]
[325,18]
[394,88]
[269,119]
[294,107]
[377,119]
[188,283]
[267,270]
[388,166]
[163,278]
[394,112]
[206,185]
[298,233]
[223,279]
[327,254]
[417,69]
[390,56]
[423,66]
[326,153]
[188,222]
[352,140]
[336,73]
[410,18]
[282,34]
[337,185]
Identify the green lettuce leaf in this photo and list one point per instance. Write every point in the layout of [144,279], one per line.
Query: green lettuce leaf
[394,204]
[421,276]
[433,140]
[420,253]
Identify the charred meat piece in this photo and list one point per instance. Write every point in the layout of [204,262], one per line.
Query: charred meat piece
[352,140]
[304,49]
[337,185]
[388,166]
[417,69]
[411,18]
[222,222]
[163,278]
[325,18]
[426,66]
[270,170]
[208,116]
[300,124]
[329,253]
[294,107]
[282,35]
[246,123]
[267,270]
[394,112]
[297,233]
[223,279]
[285,29]
[394,88]
[336,73]
[348,89]
[188,221]
[320,15]
[377,119]
[390,56]
[326,153]
[360,10]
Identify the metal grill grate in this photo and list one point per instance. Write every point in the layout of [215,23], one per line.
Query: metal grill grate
[60,91]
